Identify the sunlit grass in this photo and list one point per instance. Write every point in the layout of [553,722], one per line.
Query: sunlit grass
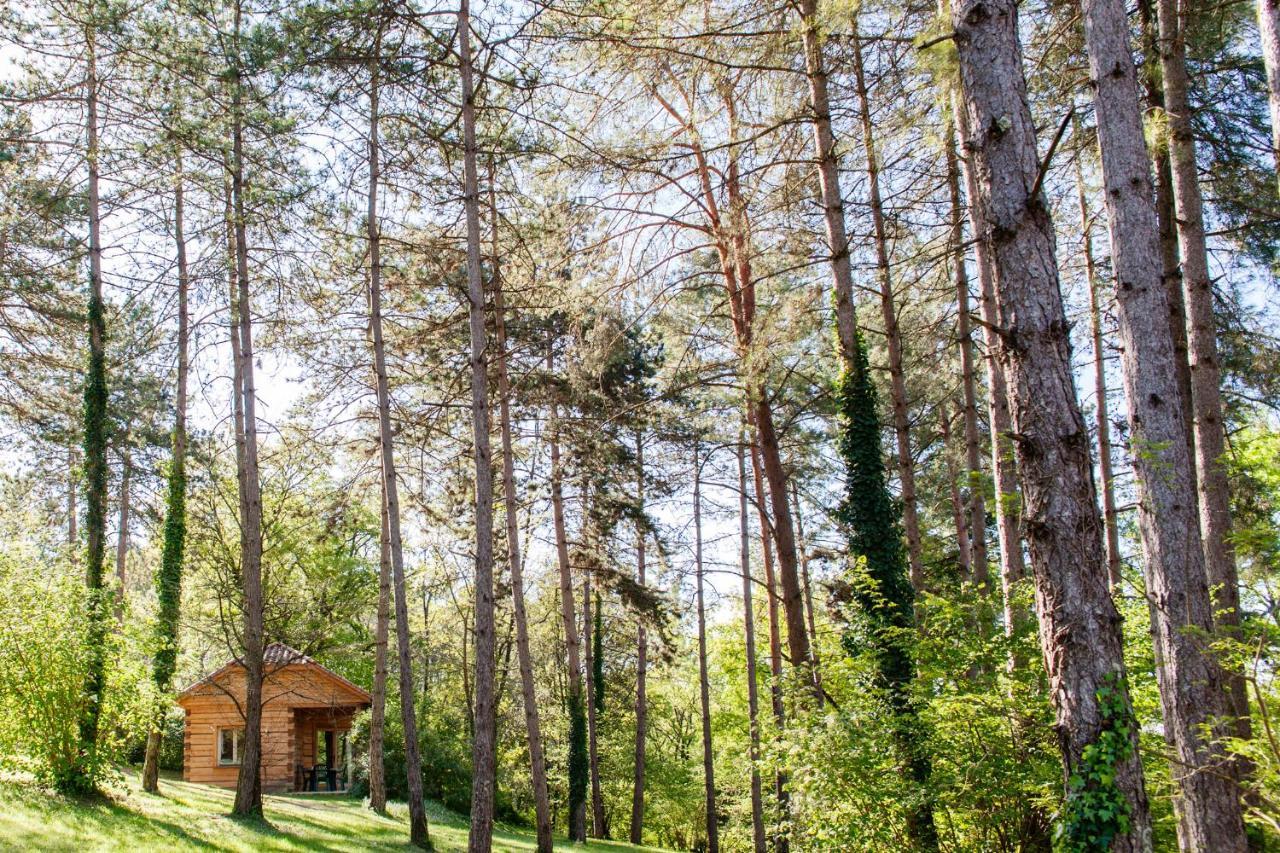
[185,816]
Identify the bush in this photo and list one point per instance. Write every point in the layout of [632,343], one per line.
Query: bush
[43,658]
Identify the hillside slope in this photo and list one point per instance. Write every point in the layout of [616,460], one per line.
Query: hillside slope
[194,817]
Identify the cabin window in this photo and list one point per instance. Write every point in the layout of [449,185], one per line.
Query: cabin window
[229,745]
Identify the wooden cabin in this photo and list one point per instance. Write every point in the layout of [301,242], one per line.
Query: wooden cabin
[306,717]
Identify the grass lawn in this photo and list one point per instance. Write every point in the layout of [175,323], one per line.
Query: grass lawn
[194,817]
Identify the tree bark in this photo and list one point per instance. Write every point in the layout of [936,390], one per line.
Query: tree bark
[419,832]
[759,840]
[248,801]
[1202,344]
[957,502]
[377,770]
[578,800]
[920,821]
[704,688]
[483,747]
[122,526]
[1177,587]
[828,177]
[1079,625]
[977,507]
[1269,32]
[524,658]
[781,792]
[802,548]
[642,660]
[784,536]
[169,578]
[1170,255]
[1109,519]
[1008,498]
[598,827]
[893,337]
[426,645]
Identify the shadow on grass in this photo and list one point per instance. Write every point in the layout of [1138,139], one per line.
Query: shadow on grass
[94,816]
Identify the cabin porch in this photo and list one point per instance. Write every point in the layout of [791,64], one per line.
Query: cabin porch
[322,749]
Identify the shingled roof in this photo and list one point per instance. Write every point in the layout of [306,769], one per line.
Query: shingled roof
[277,656]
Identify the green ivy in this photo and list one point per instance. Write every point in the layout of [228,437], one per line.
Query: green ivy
[83,777]
[1096,811]
[169,578]
[578,767]
[883,591]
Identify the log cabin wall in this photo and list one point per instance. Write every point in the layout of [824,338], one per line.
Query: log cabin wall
[298,699]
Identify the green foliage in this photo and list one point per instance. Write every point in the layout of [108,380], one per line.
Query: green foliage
[1096,811]
[320,542]
[45,654]
[1254,464]
[172,733]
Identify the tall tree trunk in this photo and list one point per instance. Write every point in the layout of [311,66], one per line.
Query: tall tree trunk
[1177,583]
[483,757]
[598,828]
[83,776]
[783,534]
[1171,259]
[122,526]
[233,300]
[426,645]
[977,508]
[169,578]
[1079,625]
[759,840]
[1109,519]
[524,658]
[781,792]
[802,547]
[377,718]
[893,337]
[828,175]
[957,502]
[704,688]
[1202,343]
[419,832]
[732,241]
[642,659]
[248,801]
[1008,499]
[577,745]
[1269,31]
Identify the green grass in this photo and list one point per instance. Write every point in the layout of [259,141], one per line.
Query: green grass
[195,817]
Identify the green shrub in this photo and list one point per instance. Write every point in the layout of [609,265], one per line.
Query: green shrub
[44,656]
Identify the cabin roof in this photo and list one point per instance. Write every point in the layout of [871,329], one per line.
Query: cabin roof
[277,656]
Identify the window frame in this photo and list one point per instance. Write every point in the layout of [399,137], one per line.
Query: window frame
[236,734]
